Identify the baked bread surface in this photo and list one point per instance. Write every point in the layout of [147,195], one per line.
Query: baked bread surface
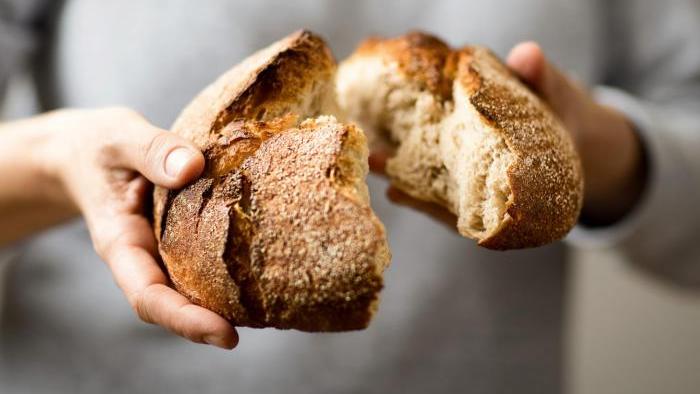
[278,231]
[468,135]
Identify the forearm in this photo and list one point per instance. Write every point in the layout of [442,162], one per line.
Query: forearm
[611,153]
[31,195]
[614,166]
[661,234]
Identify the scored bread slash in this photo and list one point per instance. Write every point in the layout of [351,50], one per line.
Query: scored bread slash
[278,230]
[467,135]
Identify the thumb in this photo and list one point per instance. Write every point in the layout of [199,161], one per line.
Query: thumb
[562,94]
[164,158]
[527,60]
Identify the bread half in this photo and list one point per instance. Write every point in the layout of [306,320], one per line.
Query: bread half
[468,135]
[278,231]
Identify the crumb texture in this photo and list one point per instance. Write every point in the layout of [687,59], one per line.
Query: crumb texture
[465,134]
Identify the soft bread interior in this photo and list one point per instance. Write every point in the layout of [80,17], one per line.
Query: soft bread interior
[443,150]
[315,98]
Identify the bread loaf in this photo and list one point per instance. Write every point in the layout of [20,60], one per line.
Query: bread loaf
[278,231]
[467,135]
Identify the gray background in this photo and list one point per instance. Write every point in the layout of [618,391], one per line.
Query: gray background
[627,332]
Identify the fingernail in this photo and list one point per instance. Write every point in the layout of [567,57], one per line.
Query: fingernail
[217,341]
[177,160]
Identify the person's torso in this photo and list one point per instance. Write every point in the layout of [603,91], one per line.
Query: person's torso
[453,316]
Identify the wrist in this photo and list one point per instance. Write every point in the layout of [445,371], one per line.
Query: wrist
[32,197]
[34,161]
[614,167]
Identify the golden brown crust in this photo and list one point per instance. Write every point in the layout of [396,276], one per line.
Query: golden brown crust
[278,231]
[275,241]
[545,177]
[266,85]
[424,59]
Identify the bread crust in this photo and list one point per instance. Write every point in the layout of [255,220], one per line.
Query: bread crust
[545,176]
[424,59]
[278,231]
[264,86]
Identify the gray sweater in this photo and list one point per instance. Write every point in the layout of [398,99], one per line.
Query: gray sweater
[453,317]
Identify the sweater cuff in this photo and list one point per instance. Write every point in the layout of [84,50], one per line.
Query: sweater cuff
[665,182]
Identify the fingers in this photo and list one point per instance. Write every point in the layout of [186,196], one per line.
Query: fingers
[564,96]
[144,284]
[112,201]
[165,158]
[528,61]
[126,243]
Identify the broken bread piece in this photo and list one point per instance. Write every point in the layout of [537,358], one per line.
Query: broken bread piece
[466,134]
[278,230]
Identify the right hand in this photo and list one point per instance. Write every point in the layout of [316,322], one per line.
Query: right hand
[611,152]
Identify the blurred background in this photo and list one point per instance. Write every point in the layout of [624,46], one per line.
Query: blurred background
[629,333]
[626,332]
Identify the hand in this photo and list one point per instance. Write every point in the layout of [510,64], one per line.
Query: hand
[610,150]
[104,160]
[611,154]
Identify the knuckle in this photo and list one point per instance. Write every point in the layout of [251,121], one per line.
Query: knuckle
[103,246]
[139,304]
[154,149]
[190,333]
[106,241]
[142,303]
[141,310]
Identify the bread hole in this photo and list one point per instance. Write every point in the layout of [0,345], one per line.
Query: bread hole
[206,196]
[333,174]
[437,172]
[246,192]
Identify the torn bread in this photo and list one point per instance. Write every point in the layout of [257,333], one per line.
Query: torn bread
[468,135]
[278,231]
